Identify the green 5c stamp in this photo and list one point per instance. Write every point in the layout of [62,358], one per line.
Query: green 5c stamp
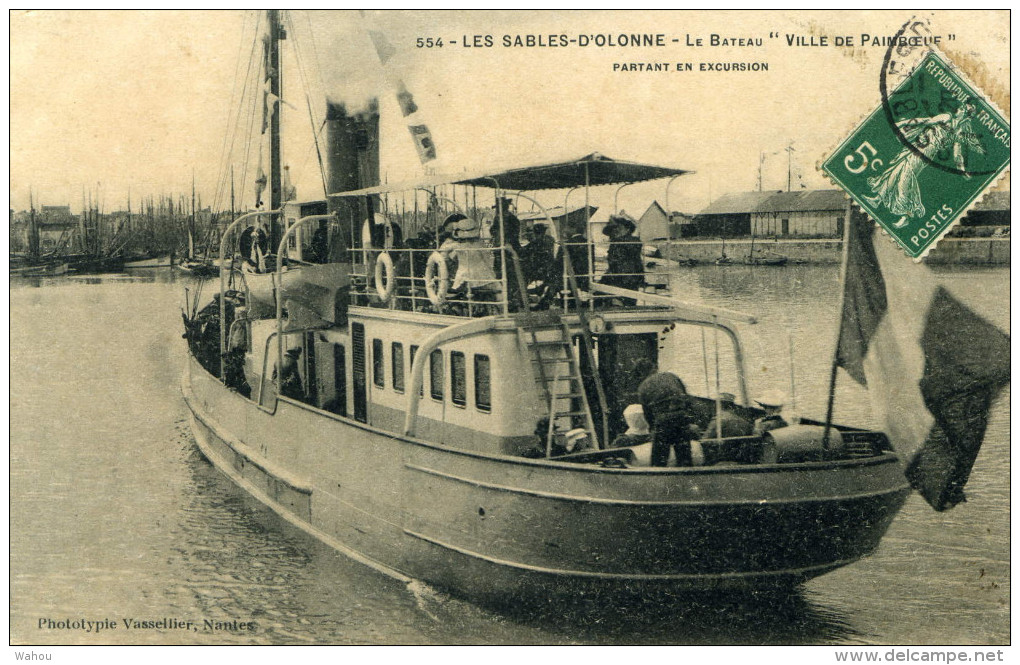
[924,156]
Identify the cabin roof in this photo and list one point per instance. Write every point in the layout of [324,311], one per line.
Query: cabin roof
[736,203]
[804,200]
[594,169]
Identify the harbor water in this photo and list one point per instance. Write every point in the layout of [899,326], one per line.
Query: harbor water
[117,518]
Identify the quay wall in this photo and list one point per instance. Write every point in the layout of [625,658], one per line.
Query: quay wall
[949,251]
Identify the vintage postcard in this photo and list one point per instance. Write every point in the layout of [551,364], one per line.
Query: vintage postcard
[426,327]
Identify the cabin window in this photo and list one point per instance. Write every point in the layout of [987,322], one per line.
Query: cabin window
[436,374]
[458,378]
[483,383]
[412,353]
[378,368]
[397,366]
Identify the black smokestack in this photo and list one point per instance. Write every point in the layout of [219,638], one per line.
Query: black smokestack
[352,153]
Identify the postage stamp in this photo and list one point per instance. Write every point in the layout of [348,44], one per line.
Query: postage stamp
[924,156]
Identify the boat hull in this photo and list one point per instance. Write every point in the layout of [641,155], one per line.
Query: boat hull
[162,261]
[498,528]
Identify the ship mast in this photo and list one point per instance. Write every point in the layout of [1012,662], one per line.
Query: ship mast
[276,34]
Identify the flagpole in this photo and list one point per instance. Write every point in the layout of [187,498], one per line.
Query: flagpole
[845,262]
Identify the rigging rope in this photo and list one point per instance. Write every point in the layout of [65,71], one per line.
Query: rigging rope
[224,159]
[307,89]
[243,102]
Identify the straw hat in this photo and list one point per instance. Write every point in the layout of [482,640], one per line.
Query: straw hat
[466,228]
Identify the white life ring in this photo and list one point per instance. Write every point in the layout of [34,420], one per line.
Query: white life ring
[385,280]
[437,279]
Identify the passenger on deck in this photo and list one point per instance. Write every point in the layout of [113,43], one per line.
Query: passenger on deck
[772,402]
[732,424]
[233,359]
[254,245]
[577,440]
[538,262]
[668,412]
[474,266]
[512,238]
[319,251]
[637,428]
[626,266]
[511,225]
[289,379]
[537,449]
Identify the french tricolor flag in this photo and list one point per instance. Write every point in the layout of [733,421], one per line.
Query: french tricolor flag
[931,365]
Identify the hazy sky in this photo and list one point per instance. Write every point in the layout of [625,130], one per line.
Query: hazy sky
[117,100]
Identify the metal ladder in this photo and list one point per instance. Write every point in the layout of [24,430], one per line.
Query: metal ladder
[563,393]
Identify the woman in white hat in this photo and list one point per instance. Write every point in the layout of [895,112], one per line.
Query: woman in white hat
[474,261]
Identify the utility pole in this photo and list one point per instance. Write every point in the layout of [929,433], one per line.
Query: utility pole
[789,167]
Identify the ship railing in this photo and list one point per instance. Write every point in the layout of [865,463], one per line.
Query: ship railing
[224,271]
[478,296]
[719,319]
[278,276]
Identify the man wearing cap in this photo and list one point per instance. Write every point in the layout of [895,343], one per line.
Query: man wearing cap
[729,422]
[666,407]
[772,402]
[289,377]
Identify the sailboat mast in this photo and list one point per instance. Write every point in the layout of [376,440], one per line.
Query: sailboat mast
[191,220]
[276,34]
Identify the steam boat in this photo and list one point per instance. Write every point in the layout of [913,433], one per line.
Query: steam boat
[457,427]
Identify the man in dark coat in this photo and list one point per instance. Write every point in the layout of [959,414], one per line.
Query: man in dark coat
[666,407]
[289,377]
[538,262]
[729,423]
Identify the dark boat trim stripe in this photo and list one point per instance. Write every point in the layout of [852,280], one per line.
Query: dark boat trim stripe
[630,502]
[701,577]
